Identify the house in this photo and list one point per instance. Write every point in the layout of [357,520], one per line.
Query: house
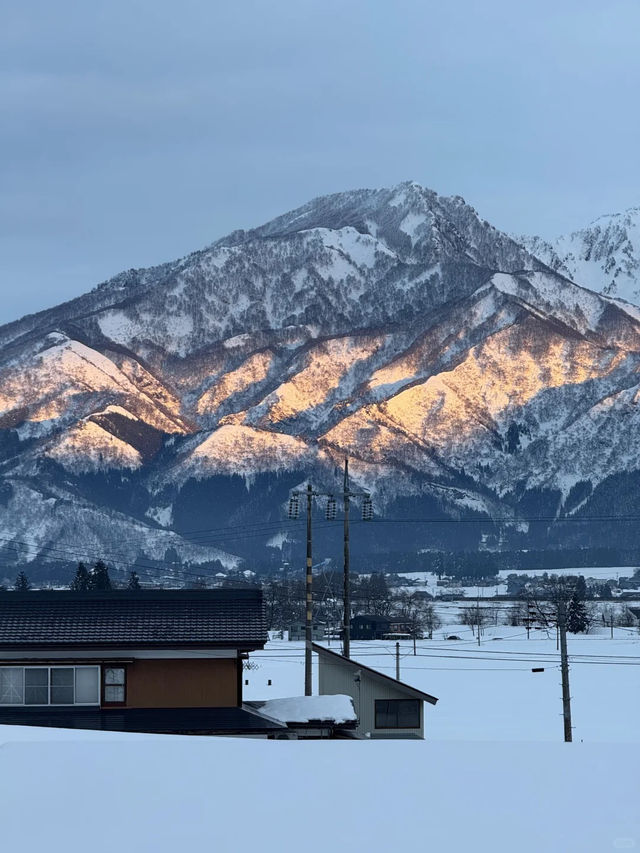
[400,626]
[131,660]
[386,708]
[297,631]
[369,627]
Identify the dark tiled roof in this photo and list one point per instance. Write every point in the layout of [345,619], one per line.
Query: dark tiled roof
[151,720]
[355,664]
[372,618]
[145,618]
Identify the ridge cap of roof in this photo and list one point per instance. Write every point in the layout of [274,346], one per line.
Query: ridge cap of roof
[132,594]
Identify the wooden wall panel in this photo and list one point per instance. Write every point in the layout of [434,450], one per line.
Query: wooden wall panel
[182,683]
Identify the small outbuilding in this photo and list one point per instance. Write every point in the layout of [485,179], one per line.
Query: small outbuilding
[385,708]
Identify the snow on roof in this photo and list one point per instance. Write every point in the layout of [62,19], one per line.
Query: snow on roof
[305,709]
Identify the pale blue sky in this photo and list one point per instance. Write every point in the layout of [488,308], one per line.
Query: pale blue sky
[135,131]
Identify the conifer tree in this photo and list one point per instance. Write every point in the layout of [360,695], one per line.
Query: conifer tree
[99,577]
[134,581]
[581,588]
[577,616]
[22,583]
[82,580]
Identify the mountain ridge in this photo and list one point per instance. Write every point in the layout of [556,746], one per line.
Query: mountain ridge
[604,255]
[454,367]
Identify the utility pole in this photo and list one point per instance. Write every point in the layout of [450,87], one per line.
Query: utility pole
[294,510]
[367,515]
[478,617]
[397,661]
[308,632]
[564,665]
[346,626]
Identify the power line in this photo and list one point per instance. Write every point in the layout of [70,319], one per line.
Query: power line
[631,661]
[506,519]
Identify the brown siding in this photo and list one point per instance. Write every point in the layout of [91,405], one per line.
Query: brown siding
[182,683]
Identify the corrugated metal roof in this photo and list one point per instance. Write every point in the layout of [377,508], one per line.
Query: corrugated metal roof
[145,618]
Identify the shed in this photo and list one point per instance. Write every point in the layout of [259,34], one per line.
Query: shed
[386,708]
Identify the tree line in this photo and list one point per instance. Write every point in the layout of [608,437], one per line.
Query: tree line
[95,578]
[285,602]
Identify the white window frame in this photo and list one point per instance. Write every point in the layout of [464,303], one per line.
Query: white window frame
[122,684]
[51,704]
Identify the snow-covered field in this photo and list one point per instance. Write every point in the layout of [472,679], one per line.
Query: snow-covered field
[493,774]
[167,794]
[489,693]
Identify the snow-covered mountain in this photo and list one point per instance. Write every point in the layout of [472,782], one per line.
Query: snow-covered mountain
[462,375]
[604,256]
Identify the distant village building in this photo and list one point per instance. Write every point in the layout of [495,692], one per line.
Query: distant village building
[386,708]
[297,631]
[369,627]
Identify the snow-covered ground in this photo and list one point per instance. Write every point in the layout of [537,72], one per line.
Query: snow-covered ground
[488,692]
[74,792]
[428,582]
[599,572]
[493,774]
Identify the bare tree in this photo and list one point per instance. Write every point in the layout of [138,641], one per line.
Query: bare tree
[620,617]
[475,618]
[518,614]
[431,620]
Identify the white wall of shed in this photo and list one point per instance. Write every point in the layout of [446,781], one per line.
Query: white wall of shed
[334,676]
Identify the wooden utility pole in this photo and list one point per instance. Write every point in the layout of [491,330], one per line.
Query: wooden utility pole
[308,632]
[367,515]
[397,661]
[346,626]
[564,666]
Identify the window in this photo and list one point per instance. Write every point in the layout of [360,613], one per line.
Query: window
[114,684]
[11,685]
[87,685]
[397,713]
[49,685]
[36,686]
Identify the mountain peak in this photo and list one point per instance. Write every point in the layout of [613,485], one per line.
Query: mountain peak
[414,222]
[603,256]
[390,325]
